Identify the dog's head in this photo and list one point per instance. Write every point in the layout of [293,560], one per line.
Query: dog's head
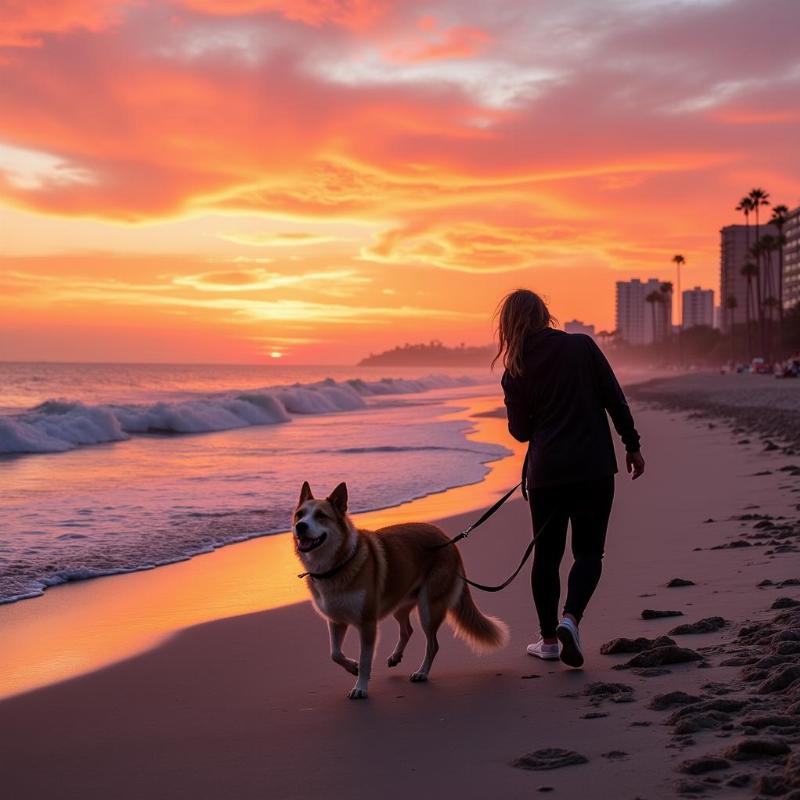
[320,526]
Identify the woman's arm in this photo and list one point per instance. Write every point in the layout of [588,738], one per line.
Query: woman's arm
[614,399]
[517,407]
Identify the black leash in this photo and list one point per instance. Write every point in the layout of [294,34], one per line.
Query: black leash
[488,513]
[463,535]
[526,555]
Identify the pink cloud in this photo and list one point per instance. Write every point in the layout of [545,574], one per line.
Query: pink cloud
[635,134]
[460,41]
[351,14]
[24,22]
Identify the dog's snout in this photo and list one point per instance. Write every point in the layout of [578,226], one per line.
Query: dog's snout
[301,528]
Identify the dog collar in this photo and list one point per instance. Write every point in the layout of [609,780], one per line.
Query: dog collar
[321,576]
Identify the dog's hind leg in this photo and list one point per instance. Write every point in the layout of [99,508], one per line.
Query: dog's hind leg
[402,617]
[369,632]
[337,631]
[431,615]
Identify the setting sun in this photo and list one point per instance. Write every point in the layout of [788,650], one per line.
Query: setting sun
[282,175]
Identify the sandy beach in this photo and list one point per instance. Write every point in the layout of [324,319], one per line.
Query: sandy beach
[250,706]
[365,255]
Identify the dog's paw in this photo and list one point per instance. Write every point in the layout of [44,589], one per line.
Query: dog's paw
[418,677]
[348,664]
[394,660]
[357,694]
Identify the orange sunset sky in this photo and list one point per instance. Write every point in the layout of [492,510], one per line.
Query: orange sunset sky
[220,180]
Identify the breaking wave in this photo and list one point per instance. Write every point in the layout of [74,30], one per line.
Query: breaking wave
[59,425]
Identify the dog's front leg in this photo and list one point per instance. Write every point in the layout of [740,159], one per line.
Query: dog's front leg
[368,631]
[337,632]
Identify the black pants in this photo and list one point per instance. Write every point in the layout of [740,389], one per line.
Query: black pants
[587,505]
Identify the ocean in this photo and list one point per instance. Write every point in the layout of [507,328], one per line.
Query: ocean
[109,468]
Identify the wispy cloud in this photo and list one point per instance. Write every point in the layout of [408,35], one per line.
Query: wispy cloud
[280,239]
[260,280]
[302,313]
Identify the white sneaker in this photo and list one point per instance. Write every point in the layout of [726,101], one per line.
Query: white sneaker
[547,652]
[567,634]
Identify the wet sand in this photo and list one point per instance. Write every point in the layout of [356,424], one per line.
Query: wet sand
[252,707]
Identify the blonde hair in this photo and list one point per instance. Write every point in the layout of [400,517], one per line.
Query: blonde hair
[519,314]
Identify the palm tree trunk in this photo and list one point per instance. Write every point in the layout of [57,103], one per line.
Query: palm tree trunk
[759,303]
[759,293]
[780,299]
[653,315]
[748,303]
[768,309]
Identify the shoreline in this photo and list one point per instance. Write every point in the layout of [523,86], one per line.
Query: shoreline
[752,404]
[161,499]
[120,614]
[230,706]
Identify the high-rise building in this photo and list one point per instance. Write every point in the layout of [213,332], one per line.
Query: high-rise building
[576,326]
[791,260]
[698,307]
[639,320]
[735,241]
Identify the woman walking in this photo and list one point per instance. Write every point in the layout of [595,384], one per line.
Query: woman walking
[558,388]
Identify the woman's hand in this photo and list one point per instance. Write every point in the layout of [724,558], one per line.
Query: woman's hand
[634,464]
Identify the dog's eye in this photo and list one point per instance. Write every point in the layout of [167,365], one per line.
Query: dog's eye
[320,516]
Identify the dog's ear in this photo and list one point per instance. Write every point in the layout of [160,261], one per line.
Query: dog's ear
[338,498]
[305,494]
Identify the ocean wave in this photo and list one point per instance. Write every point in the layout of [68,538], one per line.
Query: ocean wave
[59,425]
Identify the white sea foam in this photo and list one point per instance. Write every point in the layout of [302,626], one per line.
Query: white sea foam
[59,425]
[54,427]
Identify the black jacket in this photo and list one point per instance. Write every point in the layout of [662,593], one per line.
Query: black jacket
[559,405]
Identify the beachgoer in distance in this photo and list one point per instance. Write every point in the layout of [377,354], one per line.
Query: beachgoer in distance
[558,387]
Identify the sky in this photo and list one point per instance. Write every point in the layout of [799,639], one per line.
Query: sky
[315,180]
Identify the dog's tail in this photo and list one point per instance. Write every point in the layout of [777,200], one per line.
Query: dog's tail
[478,630]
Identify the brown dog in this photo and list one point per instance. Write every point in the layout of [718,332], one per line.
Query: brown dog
[357,577]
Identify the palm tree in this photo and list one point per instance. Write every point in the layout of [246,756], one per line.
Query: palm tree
[778,219]
[679,261]
[749,270]
[769,244]
[666,300]
[746,206]
[730,305]
[652,299]
[759,198]
[756,251]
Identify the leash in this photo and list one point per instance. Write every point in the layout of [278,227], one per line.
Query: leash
[461,536]
[526,555]
[488,513]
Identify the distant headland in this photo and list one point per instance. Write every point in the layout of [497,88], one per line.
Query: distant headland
[432,354]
